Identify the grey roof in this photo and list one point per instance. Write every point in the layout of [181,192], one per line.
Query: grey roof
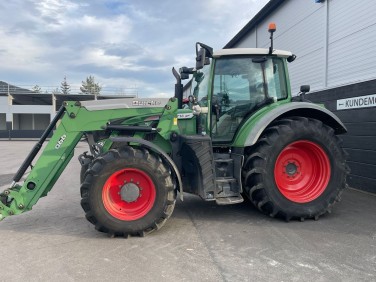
[6,88]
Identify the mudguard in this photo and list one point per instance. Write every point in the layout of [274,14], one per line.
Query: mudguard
[303,109]
[154,148]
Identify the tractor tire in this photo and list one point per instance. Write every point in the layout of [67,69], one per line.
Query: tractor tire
[128,191]
[297,169]
[83,170]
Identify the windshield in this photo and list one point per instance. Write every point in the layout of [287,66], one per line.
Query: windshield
[200,85]
[240,86]
[200,90]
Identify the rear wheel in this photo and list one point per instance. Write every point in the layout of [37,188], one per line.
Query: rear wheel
[128,191]
[297,169]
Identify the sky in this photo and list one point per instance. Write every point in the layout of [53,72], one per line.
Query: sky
[128,46]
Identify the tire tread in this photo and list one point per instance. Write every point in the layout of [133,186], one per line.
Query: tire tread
[127,152]
[254,169]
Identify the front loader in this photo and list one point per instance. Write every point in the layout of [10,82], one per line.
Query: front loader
[239,134]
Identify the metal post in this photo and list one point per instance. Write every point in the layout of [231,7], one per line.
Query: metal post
[53,112]
[326,42]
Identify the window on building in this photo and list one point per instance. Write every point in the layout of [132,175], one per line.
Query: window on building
[30,121]
[3,123]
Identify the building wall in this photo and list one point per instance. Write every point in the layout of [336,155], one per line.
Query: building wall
[352,41]
[334,42]
[24,114]
[4,108]
[23,121]
[360,140]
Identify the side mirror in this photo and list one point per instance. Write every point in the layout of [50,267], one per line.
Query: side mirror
[185,72]
[304,88]
[203,55]
[184,76]
[291,58]
[200,58]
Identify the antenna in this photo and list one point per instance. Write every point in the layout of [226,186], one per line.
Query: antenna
[272,28]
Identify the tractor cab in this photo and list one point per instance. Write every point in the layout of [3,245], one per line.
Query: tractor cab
[228,92]
[231,85]
[234,85]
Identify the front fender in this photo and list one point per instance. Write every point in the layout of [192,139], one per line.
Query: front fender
[302,109]
[157,150]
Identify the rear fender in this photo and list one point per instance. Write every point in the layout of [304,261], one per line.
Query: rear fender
[302,109]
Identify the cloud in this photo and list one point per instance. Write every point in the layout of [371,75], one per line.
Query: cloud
[119,42]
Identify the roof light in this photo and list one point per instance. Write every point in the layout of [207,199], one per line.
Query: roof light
[272,27]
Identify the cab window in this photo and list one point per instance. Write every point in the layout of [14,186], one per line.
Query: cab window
[240,85]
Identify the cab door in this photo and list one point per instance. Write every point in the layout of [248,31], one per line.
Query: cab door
[241,86]
[237,87]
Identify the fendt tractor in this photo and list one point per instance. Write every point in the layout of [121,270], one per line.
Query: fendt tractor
[233,132]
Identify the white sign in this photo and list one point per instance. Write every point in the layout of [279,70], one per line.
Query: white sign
[146,102]
[185,116]
[357,102]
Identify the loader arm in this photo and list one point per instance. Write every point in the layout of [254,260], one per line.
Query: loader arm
[71,122]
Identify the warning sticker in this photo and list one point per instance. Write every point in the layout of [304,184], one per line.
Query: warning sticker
[357,102]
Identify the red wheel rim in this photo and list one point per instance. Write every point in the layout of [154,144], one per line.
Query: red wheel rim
[302,171]
[128,194]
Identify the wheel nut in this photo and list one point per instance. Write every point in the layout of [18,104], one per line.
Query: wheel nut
[21,206]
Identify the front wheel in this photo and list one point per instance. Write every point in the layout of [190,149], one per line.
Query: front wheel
[128,191]
[297,169]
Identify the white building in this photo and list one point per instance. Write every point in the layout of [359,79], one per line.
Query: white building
[25,114]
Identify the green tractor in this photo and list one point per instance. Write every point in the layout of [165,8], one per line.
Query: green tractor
[238,133]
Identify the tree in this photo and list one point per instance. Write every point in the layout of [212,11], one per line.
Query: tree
[65,87]
[89,86]
[36,89]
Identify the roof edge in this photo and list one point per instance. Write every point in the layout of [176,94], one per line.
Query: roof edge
[259,17]
[250,51]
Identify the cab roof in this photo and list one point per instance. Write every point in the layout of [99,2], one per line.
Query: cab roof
[250,51]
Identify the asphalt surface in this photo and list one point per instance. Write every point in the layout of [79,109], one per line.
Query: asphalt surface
[200,242]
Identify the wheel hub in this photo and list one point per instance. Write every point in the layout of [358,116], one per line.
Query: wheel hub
[130,192]
[291,168]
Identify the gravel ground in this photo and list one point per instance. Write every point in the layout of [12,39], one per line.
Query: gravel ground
[200,242]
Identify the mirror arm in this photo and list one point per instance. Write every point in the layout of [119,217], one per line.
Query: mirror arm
[178,88]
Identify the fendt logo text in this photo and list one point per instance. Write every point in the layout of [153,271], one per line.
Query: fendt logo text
[60,142]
